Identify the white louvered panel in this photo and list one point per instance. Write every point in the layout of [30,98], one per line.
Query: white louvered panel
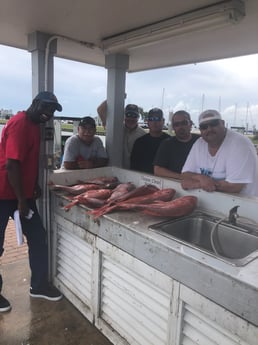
[74,264]
[199,330]
[133,306]
[79,244]
[188,341]
[82,267]
[129,322]
[229,326]
[136,289]
[80,259]
[79,283]
[132,277]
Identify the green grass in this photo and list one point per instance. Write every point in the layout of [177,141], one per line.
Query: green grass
[69,128]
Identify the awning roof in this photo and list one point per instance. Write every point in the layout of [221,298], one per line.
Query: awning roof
[92,21]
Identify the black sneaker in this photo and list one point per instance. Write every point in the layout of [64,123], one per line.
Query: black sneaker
[50,293]
[4,304]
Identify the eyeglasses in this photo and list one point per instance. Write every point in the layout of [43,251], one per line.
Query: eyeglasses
[181,123]
[154,118]
[131,115]
[213,123]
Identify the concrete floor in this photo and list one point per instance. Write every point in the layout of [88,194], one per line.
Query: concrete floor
[40,322]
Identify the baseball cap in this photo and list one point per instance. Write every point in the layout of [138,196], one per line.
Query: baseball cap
[48,97]
[87,120]
[132,109]
[155,111]
[209,115]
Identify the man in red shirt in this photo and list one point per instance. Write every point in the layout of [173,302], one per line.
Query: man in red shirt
[19,155]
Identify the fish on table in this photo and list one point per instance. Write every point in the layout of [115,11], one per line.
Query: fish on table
[178,207]
[81,187]
[136,192]
[89,198]
[131,203]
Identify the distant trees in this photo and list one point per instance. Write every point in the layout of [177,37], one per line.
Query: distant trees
[143,114]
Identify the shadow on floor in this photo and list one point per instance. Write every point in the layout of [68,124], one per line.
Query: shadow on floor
[40,322]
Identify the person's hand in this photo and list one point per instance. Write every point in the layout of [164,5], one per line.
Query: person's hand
[199,181]
[37,192]
[207,183]
[190,183]
[23,208]
[85,164]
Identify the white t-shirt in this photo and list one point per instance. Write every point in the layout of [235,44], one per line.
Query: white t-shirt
[235,162]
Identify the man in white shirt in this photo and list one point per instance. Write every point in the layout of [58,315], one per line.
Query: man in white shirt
[221,159]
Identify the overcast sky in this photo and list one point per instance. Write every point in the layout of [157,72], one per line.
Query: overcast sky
[229,85]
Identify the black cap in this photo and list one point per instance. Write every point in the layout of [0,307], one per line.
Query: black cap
[87,120]
[48,97]
[132,109]
[155,111]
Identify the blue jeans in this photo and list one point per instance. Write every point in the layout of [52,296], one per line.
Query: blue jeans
[36,239]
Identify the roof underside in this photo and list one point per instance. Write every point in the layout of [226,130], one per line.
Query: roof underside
[92,21]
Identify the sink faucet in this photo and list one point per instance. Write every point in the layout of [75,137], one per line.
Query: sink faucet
[233,215]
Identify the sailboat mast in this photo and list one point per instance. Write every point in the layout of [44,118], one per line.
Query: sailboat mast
[162,98]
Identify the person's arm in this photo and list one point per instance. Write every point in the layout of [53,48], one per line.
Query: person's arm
[102,112]
[92,163]
[70,165]
[15,179]
[227,187]
[194,181]
[164,172]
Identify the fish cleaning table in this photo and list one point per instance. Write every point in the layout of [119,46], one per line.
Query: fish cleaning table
[139,287]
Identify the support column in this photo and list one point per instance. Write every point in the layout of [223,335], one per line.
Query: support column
[38,43]
[117,66]
[43,47]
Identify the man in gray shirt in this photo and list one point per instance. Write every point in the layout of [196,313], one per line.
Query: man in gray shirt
[84,150]
[131,129]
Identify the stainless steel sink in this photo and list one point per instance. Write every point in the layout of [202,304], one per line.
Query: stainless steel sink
[237,244]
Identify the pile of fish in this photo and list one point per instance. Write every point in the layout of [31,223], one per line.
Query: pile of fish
[106,194]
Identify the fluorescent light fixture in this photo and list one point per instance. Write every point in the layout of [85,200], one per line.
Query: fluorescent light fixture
[206,18]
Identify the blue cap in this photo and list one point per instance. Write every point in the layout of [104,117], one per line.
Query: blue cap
[48,97]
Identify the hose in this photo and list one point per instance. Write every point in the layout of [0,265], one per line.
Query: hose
[215,226]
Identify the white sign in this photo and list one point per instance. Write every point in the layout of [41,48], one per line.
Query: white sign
[151,180]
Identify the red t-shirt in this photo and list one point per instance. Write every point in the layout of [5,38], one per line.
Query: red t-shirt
[20,140]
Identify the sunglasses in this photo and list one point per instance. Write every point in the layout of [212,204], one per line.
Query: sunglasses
[213,123]
[181,123]
[131,115]
[154,118]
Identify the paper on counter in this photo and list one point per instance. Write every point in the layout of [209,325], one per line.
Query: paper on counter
[18,228]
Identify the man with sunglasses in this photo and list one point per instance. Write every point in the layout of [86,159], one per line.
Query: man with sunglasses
[172,152]
[221,160]
[145,148]
[19,158]
[131,132]
[131,129]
